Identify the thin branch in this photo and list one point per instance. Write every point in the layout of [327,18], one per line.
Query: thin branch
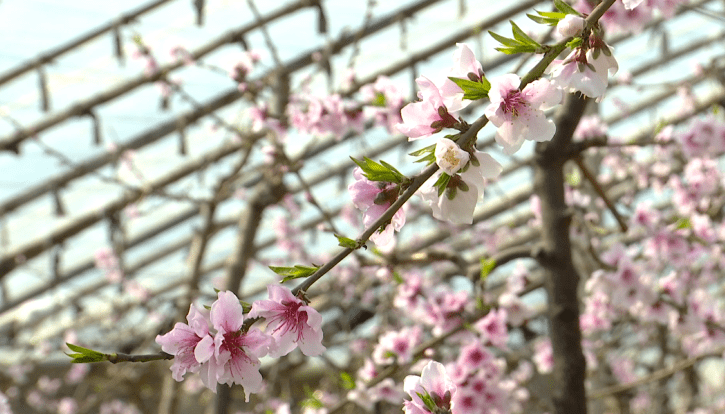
[653,377]
[119,357]
[598,188]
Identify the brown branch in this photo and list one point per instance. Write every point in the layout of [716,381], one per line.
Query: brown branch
[598,188]
[653,377]
[119,357]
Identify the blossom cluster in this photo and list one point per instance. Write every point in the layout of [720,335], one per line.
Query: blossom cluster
[218,345]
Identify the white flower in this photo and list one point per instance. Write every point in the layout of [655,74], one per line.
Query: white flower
[449,156]
[571,25]
[587,73]
[457,203]
[631,4]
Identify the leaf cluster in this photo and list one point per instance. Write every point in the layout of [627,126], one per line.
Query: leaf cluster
[382,171]
[295,272]
[553,18]
[521,42]
[473,90]
[85,355]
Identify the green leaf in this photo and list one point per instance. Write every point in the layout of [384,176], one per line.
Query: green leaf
[565,8]
[398,279]
[517,49]
[683,223]
[429,159]
[574,178]
[85,355]
[552,15]
[400,176]
[487,265]
[296,272]
[348,382]
[378,100]
[521,36]
[472,90]
[543,20]
[428,149]
[347,243]
[428,401]
[503,40]
[378,172]
[442,183]
[574,43]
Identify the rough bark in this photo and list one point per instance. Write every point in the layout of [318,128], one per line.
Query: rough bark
[555,257]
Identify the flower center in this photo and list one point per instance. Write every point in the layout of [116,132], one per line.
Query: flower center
[513,103]
[292,320]
[233,342]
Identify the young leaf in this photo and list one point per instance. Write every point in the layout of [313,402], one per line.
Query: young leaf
[521,36]
[487,265]
[295,272]
[346,243]
[442,183]
[504,40]
[429,148]
[377,172]
[472,90]
[517,49]
[400,176]
[565,8]
[348,382]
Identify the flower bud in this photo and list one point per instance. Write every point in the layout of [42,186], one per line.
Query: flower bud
[570,25]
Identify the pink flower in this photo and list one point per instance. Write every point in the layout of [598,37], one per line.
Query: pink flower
[544,356]
[290,322]
[183,340]
[493,328]
[434,385]
[465,66]
[384,101]
[427,117]
[397,346]
[519,115]
[585,71]
[232,356]
[374,198]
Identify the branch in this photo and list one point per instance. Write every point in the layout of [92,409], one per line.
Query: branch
[119,357]
[598,188]
[653,377]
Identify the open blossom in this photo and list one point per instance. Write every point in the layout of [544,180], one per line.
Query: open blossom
[290,322]
[384,101]
[436,387]
[449,156]
[457,203]
[587,72]
[427,117]
[183,340]
[397,346]
[519,115]
[465,66]
[374,198]
[231,356]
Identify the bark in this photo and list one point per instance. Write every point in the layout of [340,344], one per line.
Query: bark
[555,257]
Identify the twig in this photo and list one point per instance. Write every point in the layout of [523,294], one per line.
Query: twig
[119,357]
[598,188]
